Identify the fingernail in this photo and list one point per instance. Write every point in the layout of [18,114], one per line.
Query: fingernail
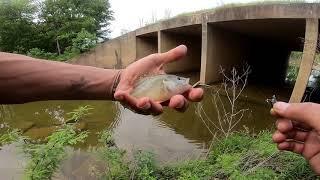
[280,106]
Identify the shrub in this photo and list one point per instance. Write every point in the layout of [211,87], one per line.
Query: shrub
[39,53]
[84,41]
[46,158]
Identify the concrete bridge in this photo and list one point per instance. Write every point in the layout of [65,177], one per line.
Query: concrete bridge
[261,35]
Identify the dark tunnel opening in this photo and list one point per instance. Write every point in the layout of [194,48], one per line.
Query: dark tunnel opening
[268,45]
[265,45]
[147,44]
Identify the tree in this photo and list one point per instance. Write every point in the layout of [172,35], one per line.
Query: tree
[52,27]
[17,29]
[84,41]
[64,19]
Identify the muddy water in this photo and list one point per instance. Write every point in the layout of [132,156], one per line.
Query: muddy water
[171,136]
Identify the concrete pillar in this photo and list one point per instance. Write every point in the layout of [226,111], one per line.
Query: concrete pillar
[128,49]
[221,48]
[192,61]
[205,53]
[309,52]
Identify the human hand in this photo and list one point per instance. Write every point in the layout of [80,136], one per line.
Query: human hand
[153,64]
[298,130]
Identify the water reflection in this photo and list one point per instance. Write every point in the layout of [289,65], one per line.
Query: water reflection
[172,136]
[150,133]
[169,133]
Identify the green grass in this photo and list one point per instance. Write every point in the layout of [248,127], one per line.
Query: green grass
[238,156]
[231,5]
[241,156]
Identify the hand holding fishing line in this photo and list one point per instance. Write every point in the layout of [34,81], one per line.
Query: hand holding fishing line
[298,130]
[153,65]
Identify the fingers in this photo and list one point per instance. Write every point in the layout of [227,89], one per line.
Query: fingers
[284,125]
[178,103]
[143,106]
[194,94]
[172,55]
[293,146]
[126,98]
[279,137]
[146,106]
[307,113]
[156,108]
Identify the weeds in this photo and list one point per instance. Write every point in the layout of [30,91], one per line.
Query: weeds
[236,156]
[10,137]
[144,166]
[6,112]
[78,114]
[46,158]
[112,156]
[228,114]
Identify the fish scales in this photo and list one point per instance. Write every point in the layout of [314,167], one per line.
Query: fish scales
[160,87]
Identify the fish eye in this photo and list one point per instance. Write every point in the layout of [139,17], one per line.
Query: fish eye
[179,78]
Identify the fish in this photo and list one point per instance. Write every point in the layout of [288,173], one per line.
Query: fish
[160,88]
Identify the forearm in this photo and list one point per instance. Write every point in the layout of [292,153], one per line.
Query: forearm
[24,79]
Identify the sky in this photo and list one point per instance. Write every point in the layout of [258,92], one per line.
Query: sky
[128,13]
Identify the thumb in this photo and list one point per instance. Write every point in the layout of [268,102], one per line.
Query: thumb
[307,113]
[174,54]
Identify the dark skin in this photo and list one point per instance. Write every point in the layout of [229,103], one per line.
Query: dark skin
[24,79]
[298,130]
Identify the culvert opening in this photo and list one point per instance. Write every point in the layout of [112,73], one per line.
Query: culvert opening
[264,44]
[191,36]
[147,44]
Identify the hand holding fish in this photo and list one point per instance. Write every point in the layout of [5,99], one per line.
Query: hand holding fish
[153,65]
[298,130]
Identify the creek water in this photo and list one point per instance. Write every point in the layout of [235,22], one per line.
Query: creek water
[171,136]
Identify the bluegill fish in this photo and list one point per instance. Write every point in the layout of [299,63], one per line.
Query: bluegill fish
[160,87]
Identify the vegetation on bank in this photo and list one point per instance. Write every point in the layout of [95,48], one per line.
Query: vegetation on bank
[238,156]
[222,5]
[53,29]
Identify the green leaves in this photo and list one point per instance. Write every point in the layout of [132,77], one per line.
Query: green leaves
[78,114]
[46,158]
[70,19]
[17,31]
[84,41]
[9,137]
[53,29]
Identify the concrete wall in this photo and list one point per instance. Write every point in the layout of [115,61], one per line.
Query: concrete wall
[104,55]
[261,35]
[192,61]
[223,49]
[147,45]
[128,49]
[115,53]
